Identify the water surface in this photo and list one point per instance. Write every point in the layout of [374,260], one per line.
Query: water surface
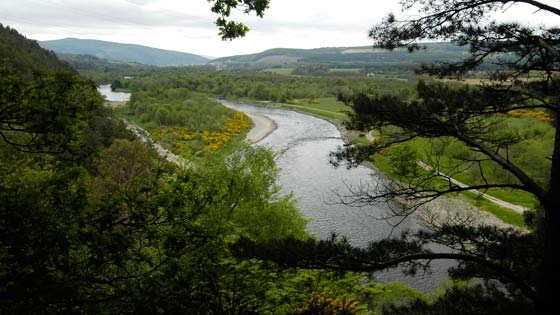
[109,95]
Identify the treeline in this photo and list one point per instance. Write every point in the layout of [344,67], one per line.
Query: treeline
[268,86]
[188,122]
[178,105]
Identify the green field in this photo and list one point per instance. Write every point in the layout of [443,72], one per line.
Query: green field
[509,216]
[327,107]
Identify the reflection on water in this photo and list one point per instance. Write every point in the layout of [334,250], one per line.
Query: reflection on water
[304,143]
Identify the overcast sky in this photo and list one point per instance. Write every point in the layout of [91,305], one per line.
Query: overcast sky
[188,25]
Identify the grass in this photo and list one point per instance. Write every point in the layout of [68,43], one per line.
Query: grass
[506,215]
[383,164]
[330,108]
[327,107]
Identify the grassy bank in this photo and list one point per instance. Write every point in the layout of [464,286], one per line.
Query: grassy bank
[331,109]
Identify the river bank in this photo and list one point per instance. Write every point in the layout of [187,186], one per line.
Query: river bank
[431,213]
[262,127]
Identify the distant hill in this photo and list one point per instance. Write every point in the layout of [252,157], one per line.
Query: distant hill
[89,62]
[122,52]
[345,57]
[24,55]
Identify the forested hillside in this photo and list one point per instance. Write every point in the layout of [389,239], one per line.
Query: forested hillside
[90,62]
[25,55]
[376,60]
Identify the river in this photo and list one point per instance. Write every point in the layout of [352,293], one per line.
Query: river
[303,143]
[109,95]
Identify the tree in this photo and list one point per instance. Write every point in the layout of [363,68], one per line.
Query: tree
[117,229]
[230,29]
[45,111]
[528,79]
[527,59]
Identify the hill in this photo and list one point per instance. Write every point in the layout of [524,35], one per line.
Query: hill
[24,55]
[345,57]
[89,62]
[123,52]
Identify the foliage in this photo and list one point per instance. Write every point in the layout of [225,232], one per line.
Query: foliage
[131,237]
[403,161]
[526,81]
[234,125]
[24,56]
[320,304]
[230,29]
[26,101]
[462,299]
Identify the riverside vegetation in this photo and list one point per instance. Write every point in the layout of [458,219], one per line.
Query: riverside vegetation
[113,228]
[398,161]
[318,96]
[94,222]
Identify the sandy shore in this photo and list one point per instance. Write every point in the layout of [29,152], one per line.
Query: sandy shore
[263,126]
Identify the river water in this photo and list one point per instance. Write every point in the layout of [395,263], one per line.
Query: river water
[303,143]
[109,95]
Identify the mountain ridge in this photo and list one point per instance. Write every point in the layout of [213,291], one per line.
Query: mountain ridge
[123,52]
[367,58]
[345,57]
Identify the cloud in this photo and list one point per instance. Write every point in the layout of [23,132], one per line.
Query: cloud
[188,25]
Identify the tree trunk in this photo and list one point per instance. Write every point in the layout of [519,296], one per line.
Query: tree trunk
[549,272]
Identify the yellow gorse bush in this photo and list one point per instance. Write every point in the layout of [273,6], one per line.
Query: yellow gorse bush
[234,125]
[541,116]
[179,133]
[213,140]
[321,304]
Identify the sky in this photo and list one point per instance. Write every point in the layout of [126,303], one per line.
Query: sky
[188,25]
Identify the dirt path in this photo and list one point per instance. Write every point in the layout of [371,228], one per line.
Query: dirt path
[144,136]
[499,202]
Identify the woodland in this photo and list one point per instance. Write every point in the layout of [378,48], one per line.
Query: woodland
[94,221]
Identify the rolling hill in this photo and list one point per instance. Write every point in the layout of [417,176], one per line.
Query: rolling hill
[122,52]
[344,57]
[366,58]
